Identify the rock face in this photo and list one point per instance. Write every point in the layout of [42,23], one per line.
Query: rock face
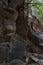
[21,25]
[16,35]
[8,16]
[15,3]
[17,50]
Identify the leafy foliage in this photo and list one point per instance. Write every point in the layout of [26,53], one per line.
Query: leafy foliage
[39,9]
